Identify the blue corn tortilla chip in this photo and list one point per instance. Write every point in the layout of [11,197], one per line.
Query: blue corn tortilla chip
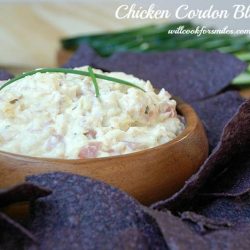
[234,145]
[22,192]
[230,209]
[234,181]
[10,227]
[84,212]
[189,74]
[85,55]
[203,224]
[215,112]
[227,196]
[4,75]
[235,238]
[177,234]
[180,234]
[132,239]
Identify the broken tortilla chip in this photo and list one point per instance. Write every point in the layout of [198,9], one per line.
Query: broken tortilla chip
[215,112]
[89,213]
[4,75]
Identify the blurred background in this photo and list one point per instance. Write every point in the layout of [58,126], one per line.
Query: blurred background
[30,31]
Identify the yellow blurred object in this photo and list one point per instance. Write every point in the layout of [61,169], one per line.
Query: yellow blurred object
[245,93]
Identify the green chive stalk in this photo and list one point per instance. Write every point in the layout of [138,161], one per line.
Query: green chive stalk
[89,73]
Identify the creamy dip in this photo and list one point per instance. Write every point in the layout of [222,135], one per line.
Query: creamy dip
[58,115]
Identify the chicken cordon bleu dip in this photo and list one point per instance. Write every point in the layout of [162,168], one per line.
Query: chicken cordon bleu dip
[58,115]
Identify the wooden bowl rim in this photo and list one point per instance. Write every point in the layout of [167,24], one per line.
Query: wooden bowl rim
[184,109]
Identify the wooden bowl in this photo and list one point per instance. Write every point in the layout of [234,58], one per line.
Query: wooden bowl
[148,175]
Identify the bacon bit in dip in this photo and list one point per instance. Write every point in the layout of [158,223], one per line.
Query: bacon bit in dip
[90,151]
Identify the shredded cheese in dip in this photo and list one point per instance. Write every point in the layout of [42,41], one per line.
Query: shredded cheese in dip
[58,115]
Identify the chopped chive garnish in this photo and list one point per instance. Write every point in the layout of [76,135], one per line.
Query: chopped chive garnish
[92,75]
[70,71]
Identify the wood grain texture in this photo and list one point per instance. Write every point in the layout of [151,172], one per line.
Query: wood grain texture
[148,175]
[30,32]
